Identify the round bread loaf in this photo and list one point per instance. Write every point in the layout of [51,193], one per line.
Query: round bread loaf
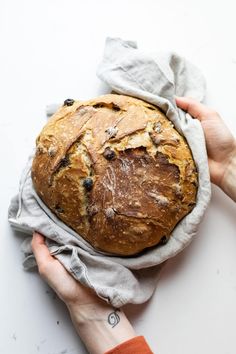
[116,171]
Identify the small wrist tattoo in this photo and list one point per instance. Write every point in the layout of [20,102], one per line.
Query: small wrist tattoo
[113,318]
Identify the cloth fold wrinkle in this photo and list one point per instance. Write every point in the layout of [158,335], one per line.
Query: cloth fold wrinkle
[155,78]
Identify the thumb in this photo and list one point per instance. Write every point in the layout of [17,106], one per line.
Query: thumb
[40,250]
[194,108]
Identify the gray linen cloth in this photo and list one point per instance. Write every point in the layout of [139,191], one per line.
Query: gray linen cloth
[156,79]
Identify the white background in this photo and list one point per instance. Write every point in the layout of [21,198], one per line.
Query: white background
[49,51]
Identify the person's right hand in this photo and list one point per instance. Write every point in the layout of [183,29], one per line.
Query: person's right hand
[220,143]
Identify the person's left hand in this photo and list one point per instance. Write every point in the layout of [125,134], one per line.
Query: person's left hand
[67,288]
[90,314]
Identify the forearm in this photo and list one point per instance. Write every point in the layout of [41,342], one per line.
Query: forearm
[228,184]
[100,326]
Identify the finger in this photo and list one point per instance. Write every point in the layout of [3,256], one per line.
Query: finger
[40,250]
[49,268]
[194,108]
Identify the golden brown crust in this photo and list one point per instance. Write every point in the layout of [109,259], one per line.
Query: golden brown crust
[116,171]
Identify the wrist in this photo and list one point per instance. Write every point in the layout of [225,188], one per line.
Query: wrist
[86,311]
[100,326]
[228,181]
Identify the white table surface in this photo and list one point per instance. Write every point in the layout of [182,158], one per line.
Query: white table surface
[49,51]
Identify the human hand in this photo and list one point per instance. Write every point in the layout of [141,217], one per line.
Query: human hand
[220,143]
[52,271]
[100,326]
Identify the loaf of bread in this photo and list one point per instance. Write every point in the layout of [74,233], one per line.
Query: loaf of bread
[116,171]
